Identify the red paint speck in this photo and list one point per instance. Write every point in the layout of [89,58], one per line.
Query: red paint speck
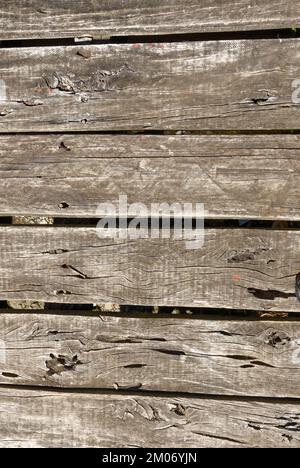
[236,277]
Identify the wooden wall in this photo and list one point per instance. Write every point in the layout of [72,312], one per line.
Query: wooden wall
[166,102]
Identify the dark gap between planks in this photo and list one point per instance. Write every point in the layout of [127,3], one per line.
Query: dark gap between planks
[133,311]
[237,132]
[160,38]
[208,223]
[155,132]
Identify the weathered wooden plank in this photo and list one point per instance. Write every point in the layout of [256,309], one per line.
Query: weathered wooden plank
[101,18]
[248,269]
[39,418]
[233,176]
[225,85]
[212,357]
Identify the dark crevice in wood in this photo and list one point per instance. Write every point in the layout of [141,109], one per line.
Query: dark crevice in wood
[162,132]
[269,295]
[159,38]
[10,375]
[139,392]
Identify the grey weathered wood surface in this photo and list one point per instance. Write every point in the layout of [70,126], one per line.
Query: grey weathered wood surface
[212,357]
[27,19]
[39,418]
[248,269]
[234,176]
[225,85]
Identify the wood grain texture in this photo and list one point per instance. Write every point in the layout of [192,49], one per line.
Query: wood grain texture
[234,176]
[30,418]
[224,85]
[27,19]
[242,269]
[212,357]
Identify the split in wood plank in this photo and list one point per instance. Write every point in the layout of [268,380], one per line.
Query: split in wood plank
[239,176]
[224,85]
[39,418]
[212,357]
[235,269]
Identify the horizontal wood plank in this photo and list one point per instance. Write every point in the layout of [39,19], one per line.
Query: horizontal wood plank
[31,19]
[212,357]
[39,418]
[242,269]
[233,176]
[223,85]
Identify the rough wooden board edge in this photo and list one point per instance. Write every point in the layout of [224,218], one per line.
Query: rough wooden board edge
[96,19]
[235,177]
[23,221]
[39,418]
[161,86]
[235,268]
[196,356]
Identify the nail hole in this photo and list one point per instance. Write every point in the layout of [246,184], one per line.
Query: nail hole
[63,205]
[65,147]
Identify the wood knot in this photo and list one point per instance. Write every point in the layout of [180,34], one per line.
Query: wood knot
[276,339]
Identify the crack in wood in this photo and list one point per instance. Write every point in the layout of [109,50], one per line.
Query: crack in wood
[263,97]
[172,352]
[55,252]
[10,375]
[135,366]
[269,295]
[290,426]
[79,273]
[32,102]
[297,286]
